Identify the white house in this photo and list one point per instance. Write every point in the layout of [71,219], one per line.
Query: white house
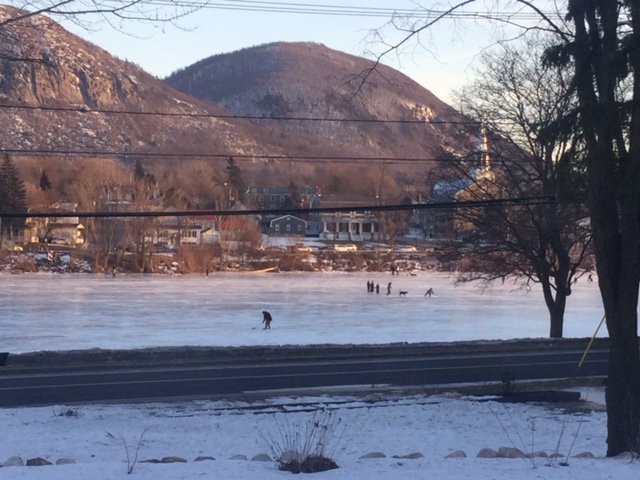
[352,226]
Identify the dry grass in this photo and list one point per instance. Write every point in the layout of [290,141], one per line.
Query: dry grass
[306,447]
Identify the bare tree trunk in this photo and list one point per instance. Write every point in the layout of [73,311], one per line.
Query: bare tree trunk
[617,268]
[623,383]
[556,317]
[556,324]
[556,307]
[614,175]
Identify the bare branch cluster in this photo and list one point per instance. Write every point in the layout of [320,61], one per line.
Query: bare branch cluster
[295,444]
[539,152]
[91,13]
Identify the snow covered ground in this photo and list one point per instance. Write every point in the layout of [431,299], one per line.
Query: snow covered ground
[77,311]
[92,436]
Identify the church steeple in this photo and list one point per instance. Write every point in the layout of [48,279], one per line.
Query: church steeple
[484,157]
[482,170]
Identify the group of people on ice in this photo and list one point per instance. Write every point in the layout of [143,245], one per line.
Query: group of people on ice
[371,288]
[375,287]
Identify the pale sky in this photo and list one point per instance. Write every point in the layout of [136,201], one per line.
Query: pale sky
[441,62]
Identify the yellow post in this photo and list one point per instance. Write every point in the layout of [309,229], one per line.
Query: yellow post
[586,352]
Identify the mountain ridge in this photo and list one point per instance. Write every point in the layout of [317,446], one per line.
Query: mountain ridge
[71,72]
[296,79]
[311,80]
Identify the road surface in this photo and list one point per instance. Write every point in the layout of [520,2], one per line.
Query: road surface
[51,381]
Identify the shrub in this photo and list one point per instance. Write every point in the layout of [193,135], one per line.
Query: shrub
[305,447]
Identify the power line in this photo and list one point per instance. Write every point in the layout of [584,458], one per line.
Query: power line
[293,8]
[238,117]
[541,200]
[343,10]
[333,9]
[128,155]
[265,157]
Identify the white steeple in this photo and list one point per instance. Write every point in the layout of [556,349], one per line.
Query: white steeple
[483,169]
[484,158]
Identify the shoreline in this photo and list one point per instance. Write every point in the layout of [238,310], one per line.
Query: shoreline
[402,263]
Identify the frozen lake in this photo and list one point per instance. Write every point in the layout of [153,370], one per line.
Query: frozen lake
[77,311]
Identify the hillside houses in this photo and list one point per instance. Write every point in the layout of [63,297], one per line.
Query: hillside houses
[349,226]
[172,232]
[288,225]
[56,230]
[169,231]
[277,197]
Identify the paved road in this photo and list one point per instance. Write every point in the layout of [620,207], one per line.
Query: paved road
[68,385]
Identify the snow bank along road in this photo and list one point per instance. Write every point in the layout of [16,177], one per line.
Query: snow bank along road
[435,426]
[50,378]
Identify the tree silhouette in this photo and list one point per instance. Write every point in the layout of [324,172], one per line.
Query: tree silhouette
[292,198]
[534,153]
[45,183]
[13,195]
[138,170]
[235,181]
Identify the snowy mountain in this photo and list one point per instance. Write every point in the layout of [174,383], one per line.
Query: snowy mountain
[311,80]
[43,65]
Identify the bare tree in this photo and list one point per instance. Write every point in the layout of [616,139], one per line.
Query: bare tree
[598,41]
[89,12]
[394,224]
[523,104]
[96,186]
[139,229]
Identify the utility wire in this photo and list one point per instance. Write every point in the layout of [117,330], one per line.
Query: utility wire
[239,117]
[265,157]
[342,10]
[541,200]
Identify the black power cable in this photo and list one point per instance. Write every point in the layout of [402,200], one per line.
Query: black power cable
[239,117]
[541,200]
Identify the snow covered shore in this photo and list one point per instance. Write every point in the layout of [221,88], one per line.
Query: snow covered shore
[92,437]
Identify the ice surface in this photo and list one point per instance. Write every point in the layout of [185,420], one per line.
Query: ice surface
[77,311]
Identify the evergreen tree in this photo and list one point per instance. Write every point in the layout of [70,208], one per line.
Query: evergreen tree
[293,198]
[235,180]
[138,171]
[145,181]
[45,183]
[13,194]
